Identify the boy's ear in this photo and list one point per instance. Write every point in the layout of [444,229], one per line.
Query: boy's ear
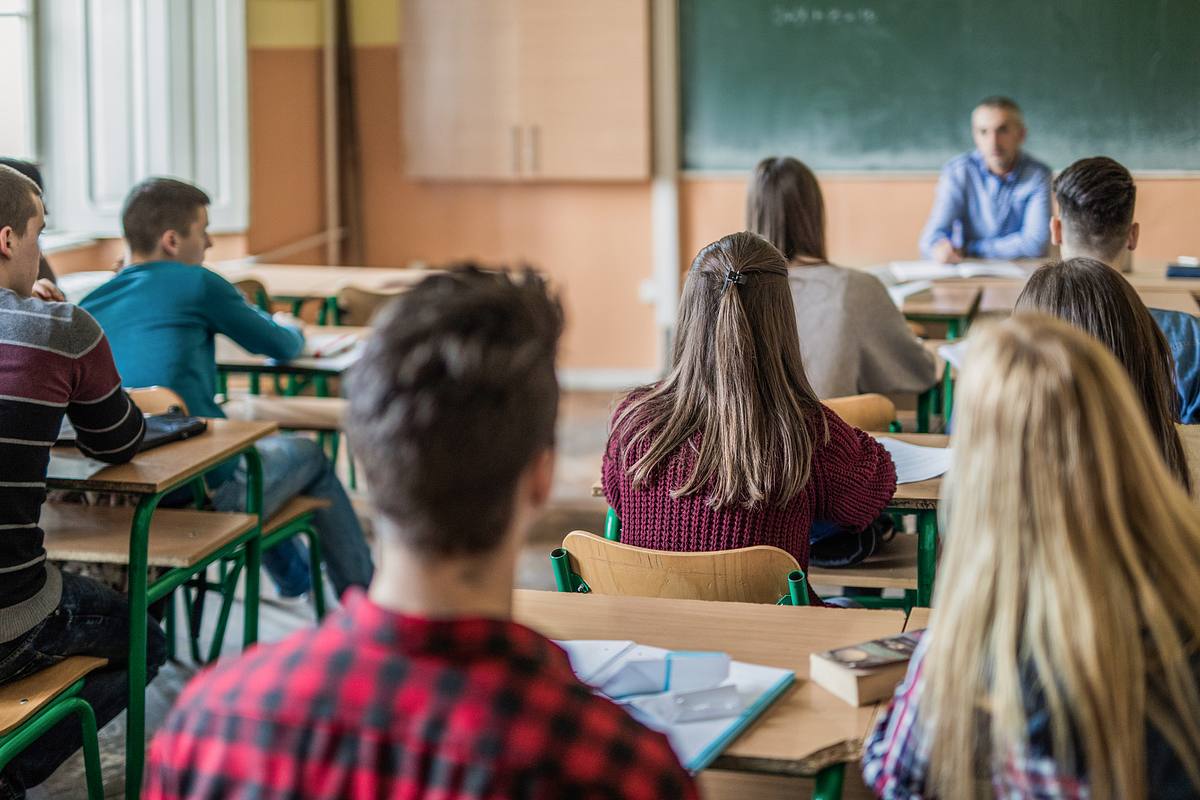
[169,242]
[6,241]
[1056,231]
[1135,230]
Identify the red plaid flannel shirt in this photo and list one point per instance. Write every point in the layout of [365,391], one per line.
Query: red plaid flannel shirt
[376,704]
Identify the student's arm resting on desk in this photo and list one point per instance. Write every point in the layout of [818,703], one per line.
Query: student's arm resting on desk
[895,758]
[949,206]
[853,475]
[108,426]
[1033,238]
[251,327]
[892,359]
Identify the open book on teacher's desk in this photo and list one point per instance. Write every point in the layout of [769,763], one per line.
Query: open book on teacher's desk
[904,271]
[915,463]
[701,701]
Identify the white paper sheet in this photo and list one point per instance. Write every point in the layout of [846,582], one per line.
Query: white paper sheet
[915,463]
[955,354]
[901,291]
[904,271]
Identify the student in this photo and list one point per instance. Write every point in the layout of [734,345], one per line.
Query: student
[161,313]
[1094,298]
[853,339]
[1060,657]
[426,687]
[46,285]
[1096,198]
[733,448]
[54,360]
[993,202]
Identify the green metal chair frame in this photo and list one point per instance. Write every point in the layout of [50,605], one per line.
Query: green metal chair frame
[65,704]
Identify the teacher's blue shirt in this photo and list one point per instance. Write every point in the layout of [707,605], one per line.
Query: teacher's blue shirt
[1183,336]
[988,216]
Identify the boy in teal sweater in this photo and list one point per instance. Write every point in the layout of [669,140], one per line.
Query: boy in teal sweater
[161,313]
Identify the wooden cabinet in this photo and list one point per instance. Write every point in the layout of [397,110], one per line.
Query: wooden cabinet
[527,89]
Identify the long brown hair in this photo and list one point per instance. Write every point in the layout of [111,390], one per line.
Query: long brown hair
[784,206]
[738,381]
[1094,298]
[1068,575]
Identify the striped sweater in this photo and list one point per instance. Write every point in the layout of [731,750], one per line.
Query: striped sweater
[54,359]
[851,481]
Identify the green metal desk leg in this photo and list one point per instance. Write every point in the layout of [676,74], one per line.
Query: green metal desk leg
[612,526]
[947,397]
[254,496]
[828,783]
[954,327]
[330,313]
[135,724]
[927,530]
[924,401]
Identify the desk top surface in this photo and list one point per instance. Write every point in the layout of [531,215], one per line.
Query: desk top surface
[293,280]
[806,729]
[159,469]
[943,300]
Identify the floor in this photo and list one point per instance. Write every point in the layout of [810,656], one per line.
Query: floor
[583,423]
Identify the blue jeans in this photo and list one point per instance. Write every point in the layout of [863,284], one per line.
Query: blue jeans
[91,620]
[294,465]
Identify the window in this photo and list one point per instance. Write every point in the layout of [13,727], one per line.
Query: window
[17,123]
[129,89]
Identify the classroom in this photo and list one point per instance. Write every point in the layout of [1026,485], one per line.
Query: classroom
[633,399]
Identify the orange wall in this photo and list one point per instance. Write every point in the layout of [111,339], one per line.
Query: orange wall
[874,220]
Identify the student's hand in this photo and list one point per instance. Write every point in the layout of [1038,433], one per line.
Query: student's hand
[44,289]
[946,253]
[287,320]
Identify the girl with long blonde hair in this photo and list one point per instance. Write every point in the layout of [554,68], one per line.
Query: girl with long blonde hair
[1061,656]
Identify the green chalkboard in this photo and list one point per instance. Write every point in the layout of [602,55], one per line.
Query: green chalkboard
[889,84]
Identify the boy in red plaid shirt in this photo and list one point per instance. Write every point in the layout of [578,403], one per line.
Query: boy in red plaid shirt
[425,687]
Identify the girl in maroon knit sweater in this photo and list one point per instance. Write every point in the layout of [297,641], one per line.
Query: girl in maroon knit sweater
[732,448]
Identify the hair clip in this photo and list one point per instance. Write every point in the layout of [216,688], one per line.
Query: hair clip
[733,276]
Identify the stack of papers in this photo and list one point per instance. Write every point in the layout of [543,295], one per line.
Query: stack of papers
[915,463]
[904,271]
[701,701]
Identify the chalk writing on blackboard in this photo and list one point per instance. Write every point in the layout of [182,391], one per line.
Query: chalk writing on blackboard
[799,16]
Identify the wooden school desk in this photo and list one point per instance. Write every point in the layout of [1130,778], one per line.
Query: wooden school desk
[232,358]
[950,303]
[297,284]
[152,475]
[806,730]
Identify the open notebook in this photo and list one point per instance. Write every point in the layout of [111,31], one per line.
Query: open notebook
[656,684]
[915,463]
[904,271]
[325,345]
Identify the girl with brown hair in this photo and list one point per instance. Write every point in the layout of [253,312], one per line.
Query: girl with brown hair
[1095,298]
[1061,657]
[733,448]
[852,336]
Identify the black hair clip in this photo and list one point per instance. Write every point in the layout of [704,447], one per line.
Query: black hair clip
[733,276]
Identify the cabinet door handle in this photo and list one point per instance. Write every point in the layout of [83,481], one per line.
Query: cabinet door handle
[535,156]
[516,149]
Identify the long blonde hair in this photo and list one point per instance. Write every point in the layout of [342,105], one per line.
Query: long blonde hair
[1072,561]
[738,381]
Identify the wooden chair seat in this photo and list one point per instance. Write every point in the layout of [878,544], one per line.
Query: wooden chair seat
[894,567]
[746,575]
[293,510]
[20,700]
[298,413]
[100,534]
[868,412]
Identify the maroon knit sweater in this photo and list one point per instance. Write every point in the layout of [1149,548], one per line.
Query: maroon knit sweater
[851,481]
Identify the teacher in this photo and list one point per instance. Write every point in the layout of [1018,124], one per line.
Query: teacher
[993,202]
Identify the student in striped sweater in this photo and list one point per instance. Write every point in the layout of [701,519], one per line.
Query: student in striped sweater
[54,360]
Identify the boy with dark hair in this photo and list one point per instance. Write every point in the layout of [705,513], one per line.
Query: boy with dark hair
[162,312]
[54,360]
[46,285]
[1096,198]
[426,687]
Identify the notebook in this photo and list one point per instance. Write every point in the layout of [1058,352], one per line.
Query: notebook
[160,429]
[325,345]
[915,463]
[740,697]
[905,271]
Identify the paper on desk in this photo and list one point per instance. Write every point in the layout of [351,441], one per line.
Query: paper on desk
[901,291]
[915,463]
[325,345]
[73,467]
[955,354]
[932,270]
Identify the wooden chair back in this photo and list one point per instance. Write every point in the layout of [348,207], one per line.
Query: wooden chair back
[747,575]
[254,292]
[157,400]
[868,412]
[358,306]
[1190,436]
